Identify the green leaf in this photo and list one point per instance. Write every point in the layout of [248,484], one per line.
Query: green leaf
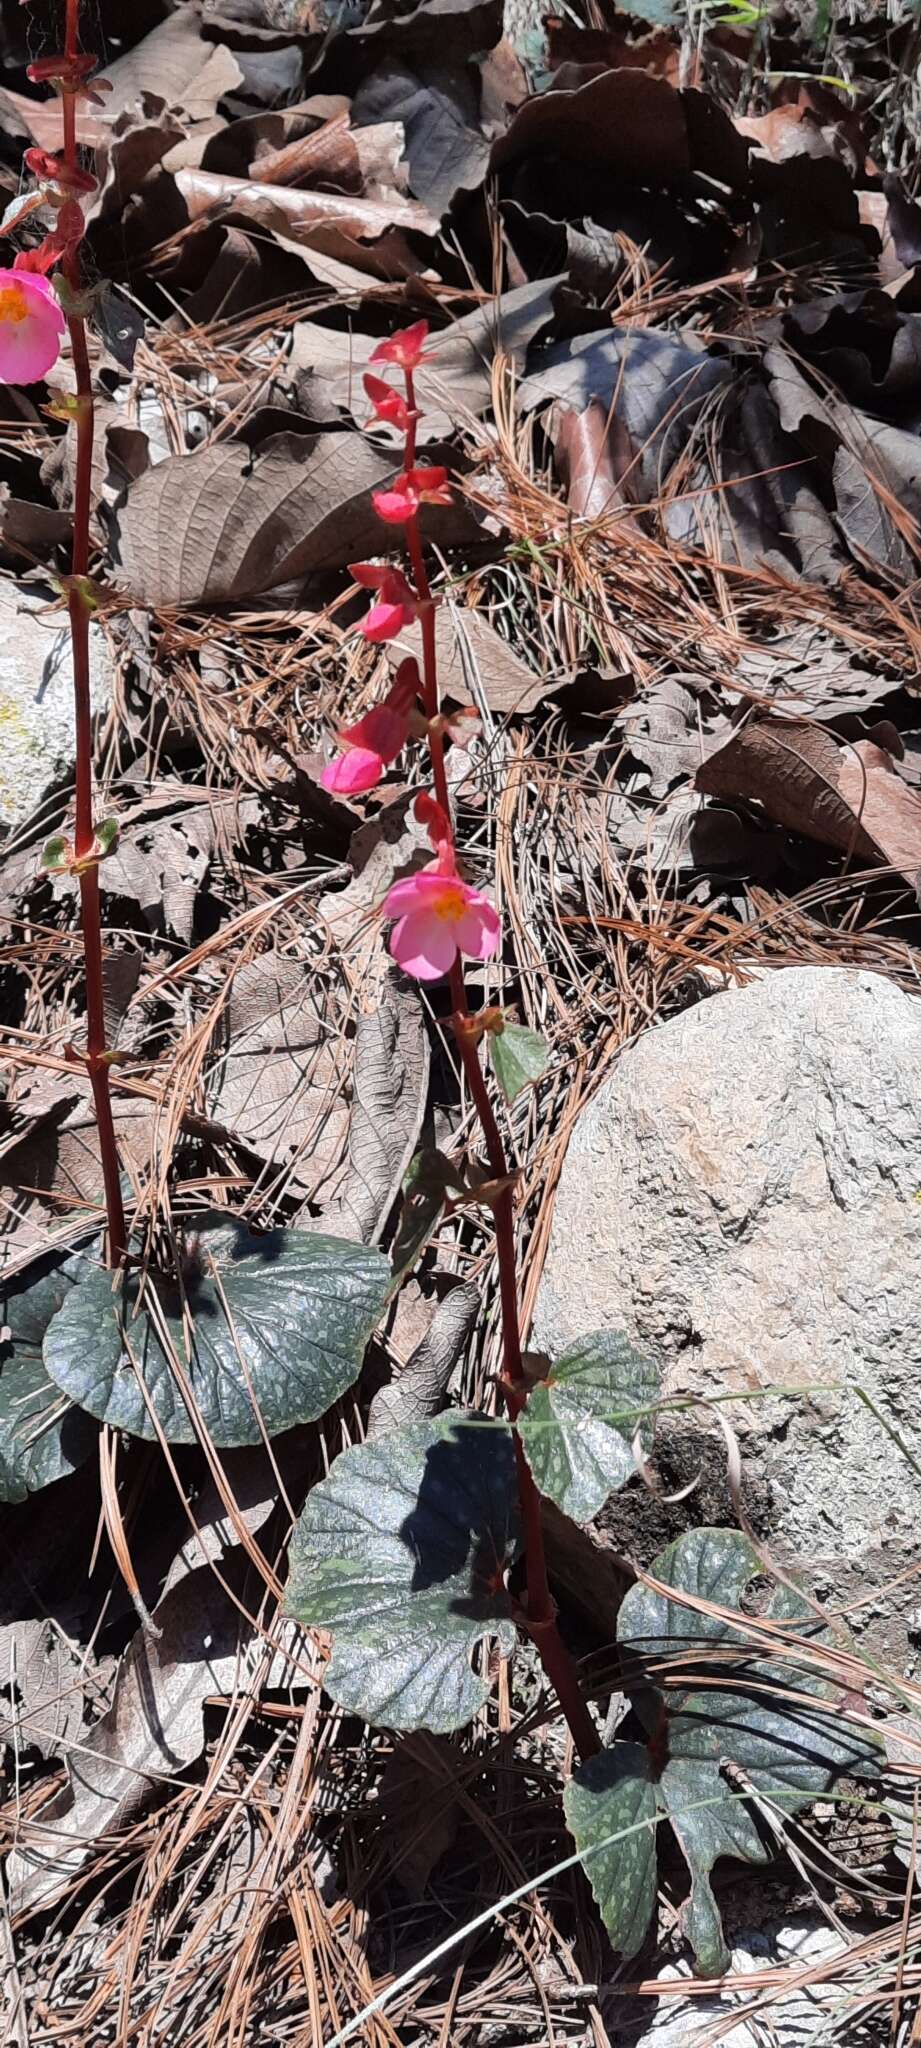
[106,835]
[519,1058]
[403,1552]
[279,1333]
[43,1435]
[612,1809]
[54,853]
[708,1746]
[580,1422]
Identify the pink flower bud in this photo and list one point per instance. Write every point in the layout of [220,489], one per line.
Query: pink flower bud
[396,607]
[405,348]
[414,488]
[375,740]
[388,404]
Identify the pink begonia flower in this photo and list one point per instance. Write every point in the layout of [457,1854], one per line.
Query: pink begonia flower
[439,916]
[31,327]
[405,349]
[396,607]
[375,740]
[414,488]
[389,405]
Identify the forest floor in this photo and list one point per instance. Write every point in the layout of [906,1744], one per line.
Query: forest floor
[671,263]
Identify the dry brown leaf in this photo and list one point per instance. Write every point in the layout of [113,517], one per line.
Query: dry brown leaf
[594,455]
[337,156]
[628,125]
[390,1077]
[849,797]
[45,1681]
[162,863]
[154,1725]
[50,1163]
[224,524]
[456,377]
[303,216]
[281,1087]
[476,666]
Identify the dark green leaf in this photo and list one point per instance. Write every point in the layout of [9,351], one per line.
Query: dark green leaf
[42,1434]
[403,1552]
[580,1422]
[280,1325]
[612,1810]
[519,1058]
[713,1746]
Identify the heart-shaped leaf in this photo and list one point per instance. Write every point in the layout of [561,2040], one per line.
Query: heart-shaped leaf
[519,1058]
[579,1425]
[708,1748]
[43,1435]
[403,1553]
[278,1323]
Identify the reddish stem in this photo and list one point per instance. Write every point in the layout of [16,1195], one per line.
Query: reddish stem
[78,607]
[540,1616]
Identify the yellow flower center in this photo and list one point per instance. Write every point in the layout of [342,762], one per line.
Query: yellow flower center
[450,903]
[14,306]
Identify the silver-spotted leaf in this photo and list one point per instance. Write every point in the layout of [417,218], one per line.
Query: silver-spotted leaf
[43,1436]
[402,1552]
[519,1058]
[278,1321]
[613,1811]
[580,1422]
[707,1747]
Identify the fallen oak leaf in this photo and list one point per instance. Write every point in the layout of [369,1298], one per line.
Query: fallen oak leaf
[302,215]
[848,797]
[476,666]
[224,524]
[455,375]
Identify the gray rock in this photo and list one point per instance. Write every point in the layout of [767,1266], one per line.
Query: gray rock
[36,697]
[742,1195]
[791,2021]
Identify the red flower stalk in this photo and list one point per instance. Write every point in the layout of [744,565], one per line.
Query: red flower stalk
[28,299]
[440,917]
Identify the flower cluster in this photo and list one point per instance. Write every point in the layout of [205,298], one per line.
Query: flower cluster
[437,914]
[32,322]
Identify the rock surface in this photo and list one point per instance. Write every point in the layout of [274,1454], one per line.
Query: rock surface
[36,698]
[742,1196]
[794,2021]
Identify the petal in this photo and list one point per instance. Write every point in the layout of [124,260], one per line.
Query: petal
[414,892]
[393,506]
[383,730]
[371,575]
[384,621]
[404,347]
[478,931]
[31,327]
[359,768]
[423,945]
